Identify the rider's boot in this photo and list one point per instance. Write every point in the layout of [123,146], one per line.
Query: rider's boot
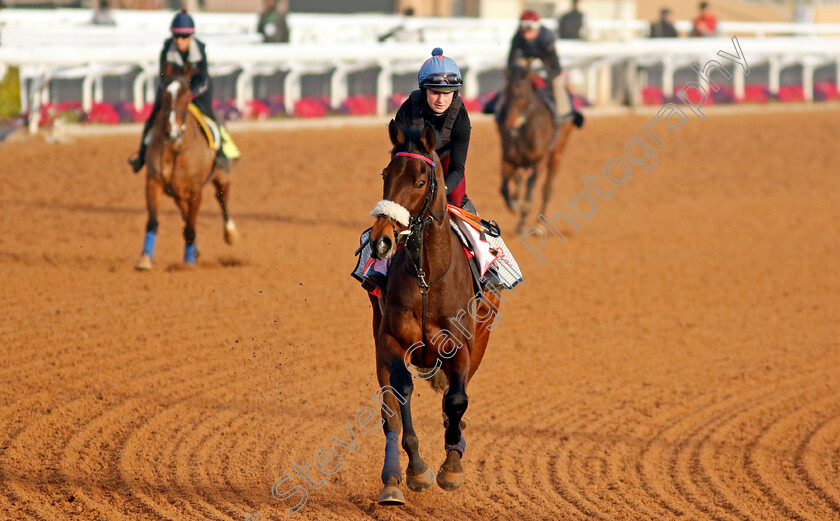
[375,280]
[138,160]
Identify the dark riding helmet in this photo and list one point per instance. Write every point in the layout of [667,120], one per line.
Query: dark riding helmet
[439,73]
[182,24]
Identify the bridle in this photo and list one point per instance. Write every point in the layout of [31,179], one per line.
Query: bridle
[413,236]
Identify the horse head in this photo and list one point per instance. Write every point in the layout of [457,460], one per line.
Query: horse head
[520,95]
[175,99]
[410,188]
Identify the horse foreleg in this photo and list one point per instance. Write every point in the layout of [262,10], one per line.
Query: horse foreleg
[189,211]
[526,205]
[222,191]
[451,474]
[507,174]
[391,470]
[153,191]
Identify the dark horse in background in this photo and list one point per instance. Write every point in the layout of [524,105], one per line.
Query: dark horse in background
[179,163]
[531,143]
[429,288]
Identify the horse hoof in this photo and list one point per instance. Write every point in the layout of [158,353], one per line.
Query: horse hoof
[231,233]
[391,495]
[144,264]
[449,480]
[420,482]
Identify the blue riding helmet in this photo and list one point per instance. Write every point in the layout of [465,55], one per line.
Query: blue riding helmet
[439,73]
[182,24]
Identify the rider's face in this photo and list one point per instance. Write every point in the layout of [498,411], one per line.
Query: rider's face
[439,101]
[182,43]
[529,33]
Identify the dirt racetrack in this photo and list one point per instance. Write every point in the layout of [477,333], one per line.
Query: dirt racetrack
[678,358]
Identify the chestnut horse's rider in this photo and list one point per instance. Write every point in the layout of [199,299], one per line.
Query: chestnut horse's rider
[180,50]
[438,102]
[533,40]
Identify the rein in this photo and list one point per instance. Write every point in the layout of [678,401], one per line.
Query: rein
[416,226]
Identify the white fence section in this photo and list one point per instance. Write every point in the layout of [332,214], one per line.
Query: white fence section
[61,26]
[61,44]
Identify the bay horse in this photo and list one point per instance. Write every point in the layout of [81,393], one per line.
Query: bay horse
[179,163]
[428,288]
[531,143]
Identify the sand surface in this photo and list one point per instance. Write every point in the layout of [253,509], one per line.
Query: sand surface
[678,358]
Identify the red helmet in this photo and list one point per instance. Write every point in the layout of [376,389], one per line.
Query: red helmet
[529,20]
[529,16]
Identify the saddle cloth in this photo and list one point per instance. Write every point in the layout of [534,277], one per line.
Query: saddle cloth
[488,252]
[215,133]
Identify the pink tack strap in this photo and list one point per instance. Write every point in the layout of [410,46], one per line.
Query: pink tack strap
[416,156]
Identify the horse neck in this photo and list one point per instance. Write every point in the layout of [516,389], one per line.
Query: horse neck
[437,245]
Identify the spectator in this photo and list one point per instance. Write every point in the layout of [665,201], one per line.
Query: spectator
[401,33]
[273,24]
[572,25]
[664,28]
[102,14]
[706,23]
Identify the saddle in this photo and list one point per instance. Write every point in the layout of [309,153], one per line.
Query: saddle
[216,135]
[486,251]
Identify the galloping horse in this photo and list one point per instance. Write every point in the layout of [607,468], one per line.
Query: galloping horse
[429,287]
[531,143]
[179,162]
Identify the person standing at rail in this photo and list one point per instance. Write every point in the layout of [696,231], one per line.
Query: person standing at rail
[180,50]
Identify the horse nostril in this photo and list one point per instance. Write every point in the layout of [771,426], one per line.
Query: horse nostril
[383,246]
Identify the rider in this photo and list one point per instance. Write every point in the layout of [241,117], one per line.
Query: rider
[438,102]
[532,40]
[178,51]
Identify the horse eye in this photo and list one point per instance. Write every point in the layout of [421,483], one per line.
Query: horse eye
[420,184]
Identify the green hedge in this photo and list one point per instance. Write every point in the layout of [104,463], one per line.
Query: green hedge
[10,93]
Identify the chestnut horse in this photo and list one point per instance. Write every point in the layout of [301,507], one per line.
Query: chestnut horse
[179,162]
[429,287]
[531,143]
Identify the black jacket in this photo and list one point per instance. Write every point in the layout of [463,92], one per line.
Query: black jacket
[195,56]
[452,144]
[541,47]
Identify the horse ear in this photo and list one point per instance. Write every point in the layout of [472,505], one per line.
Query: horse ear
[396,133]
[427,137]
[188,70]
[167,70]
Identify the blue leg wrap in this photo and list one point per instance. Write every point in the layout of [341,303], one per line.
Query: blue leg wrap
[189,254]
[392,458]
[149,244]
